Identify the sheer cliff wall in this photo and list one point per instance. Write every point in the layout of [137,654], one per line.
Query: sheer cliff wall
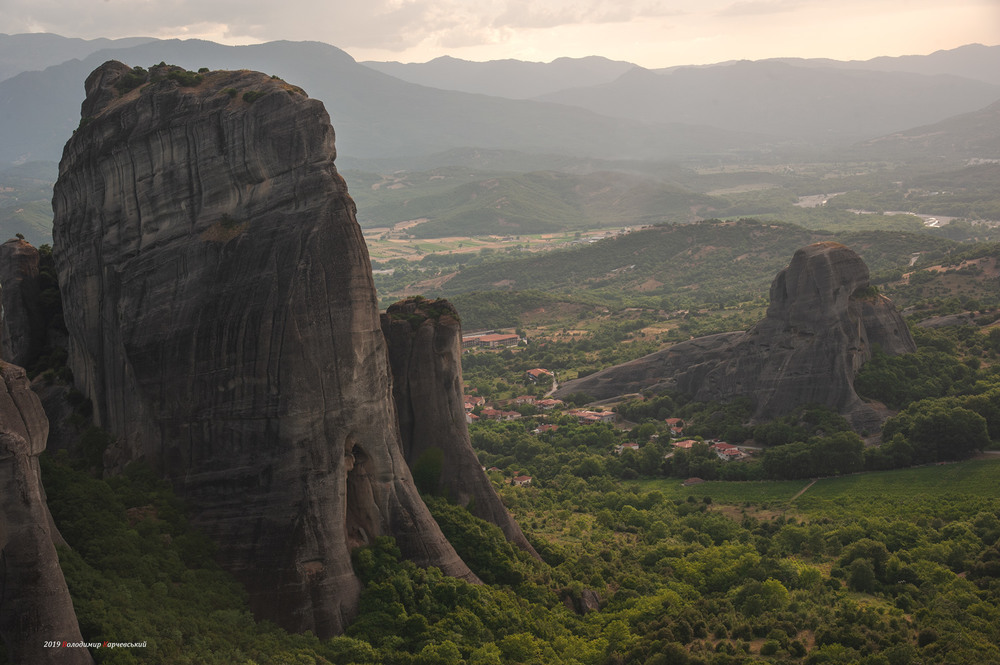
[425,353]
[223,320]
[35,605]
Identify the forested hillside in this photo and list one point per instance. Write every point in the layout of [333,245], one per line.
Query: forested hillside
[522,203]
[684,264]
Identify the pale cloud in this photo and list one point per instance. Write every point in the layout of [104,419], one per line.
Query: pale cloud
[759,8]
[653,33]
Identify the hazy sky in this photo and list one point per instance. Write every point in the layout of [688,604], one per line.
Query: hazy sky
[652,33]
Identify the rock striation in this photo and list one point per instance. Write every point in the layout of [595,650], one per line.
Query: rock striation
[35,605]
[22,329]
[821,326]
[223,320]
[425,353]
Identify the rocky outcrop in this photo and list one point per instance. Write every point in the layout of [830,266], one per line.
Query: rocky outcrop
[821,325]
[35,605]
[22,333]
[425,354]
[223,321]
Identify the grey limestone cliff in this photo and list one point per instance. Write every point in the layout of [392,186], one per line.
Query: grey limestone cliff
[425,353]
[22,333]
[35,606]
[223,320]
[821,326]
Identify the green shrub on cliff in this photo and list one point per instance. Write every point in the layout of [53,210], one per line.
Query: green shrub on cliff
[138,76]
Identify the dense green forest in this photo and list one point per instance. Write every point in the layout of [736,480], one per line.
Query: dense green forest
[894,567]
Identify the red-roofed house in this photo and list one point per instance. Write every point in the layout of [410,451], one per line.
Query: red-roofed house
[727,451]
[472,401]
[686,444]
[534,375]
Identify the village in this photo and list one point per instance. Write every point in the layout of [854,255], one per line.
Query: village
[546,412]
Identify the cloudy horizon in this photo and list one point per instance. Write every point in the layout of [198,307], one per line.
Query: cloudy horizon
[651,33]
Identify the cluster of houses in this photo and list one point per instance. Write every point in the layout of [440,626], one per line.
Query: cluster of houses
[492,412]
[495,411]
[727,452]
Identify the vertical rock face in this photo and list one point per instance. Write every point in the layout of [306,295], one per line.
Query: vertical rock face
[821,325]
[223,320]
[813,340]
[34,602]
[425,354]
[22,332]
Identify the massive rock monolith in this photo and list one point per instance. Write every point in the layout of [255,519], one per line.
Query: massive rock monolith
[223,320]
[425,353]
[821,326]
[35,606]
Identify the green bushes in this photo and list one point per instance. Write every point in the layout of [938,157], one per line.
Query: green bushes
[185,78]
[132,80]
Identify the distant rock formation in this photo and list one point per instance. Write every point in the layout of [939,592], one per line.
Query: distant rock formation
[223,320]
[35,606]
[425,354]
[22,334]
[821,326]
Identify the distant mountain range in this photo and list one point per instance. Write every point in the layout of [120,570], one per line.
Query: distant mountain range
[818,105]
[375,115]
[588,108]
[515,79]
[973,61]
[28,52]
[976,133]
[518,79]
